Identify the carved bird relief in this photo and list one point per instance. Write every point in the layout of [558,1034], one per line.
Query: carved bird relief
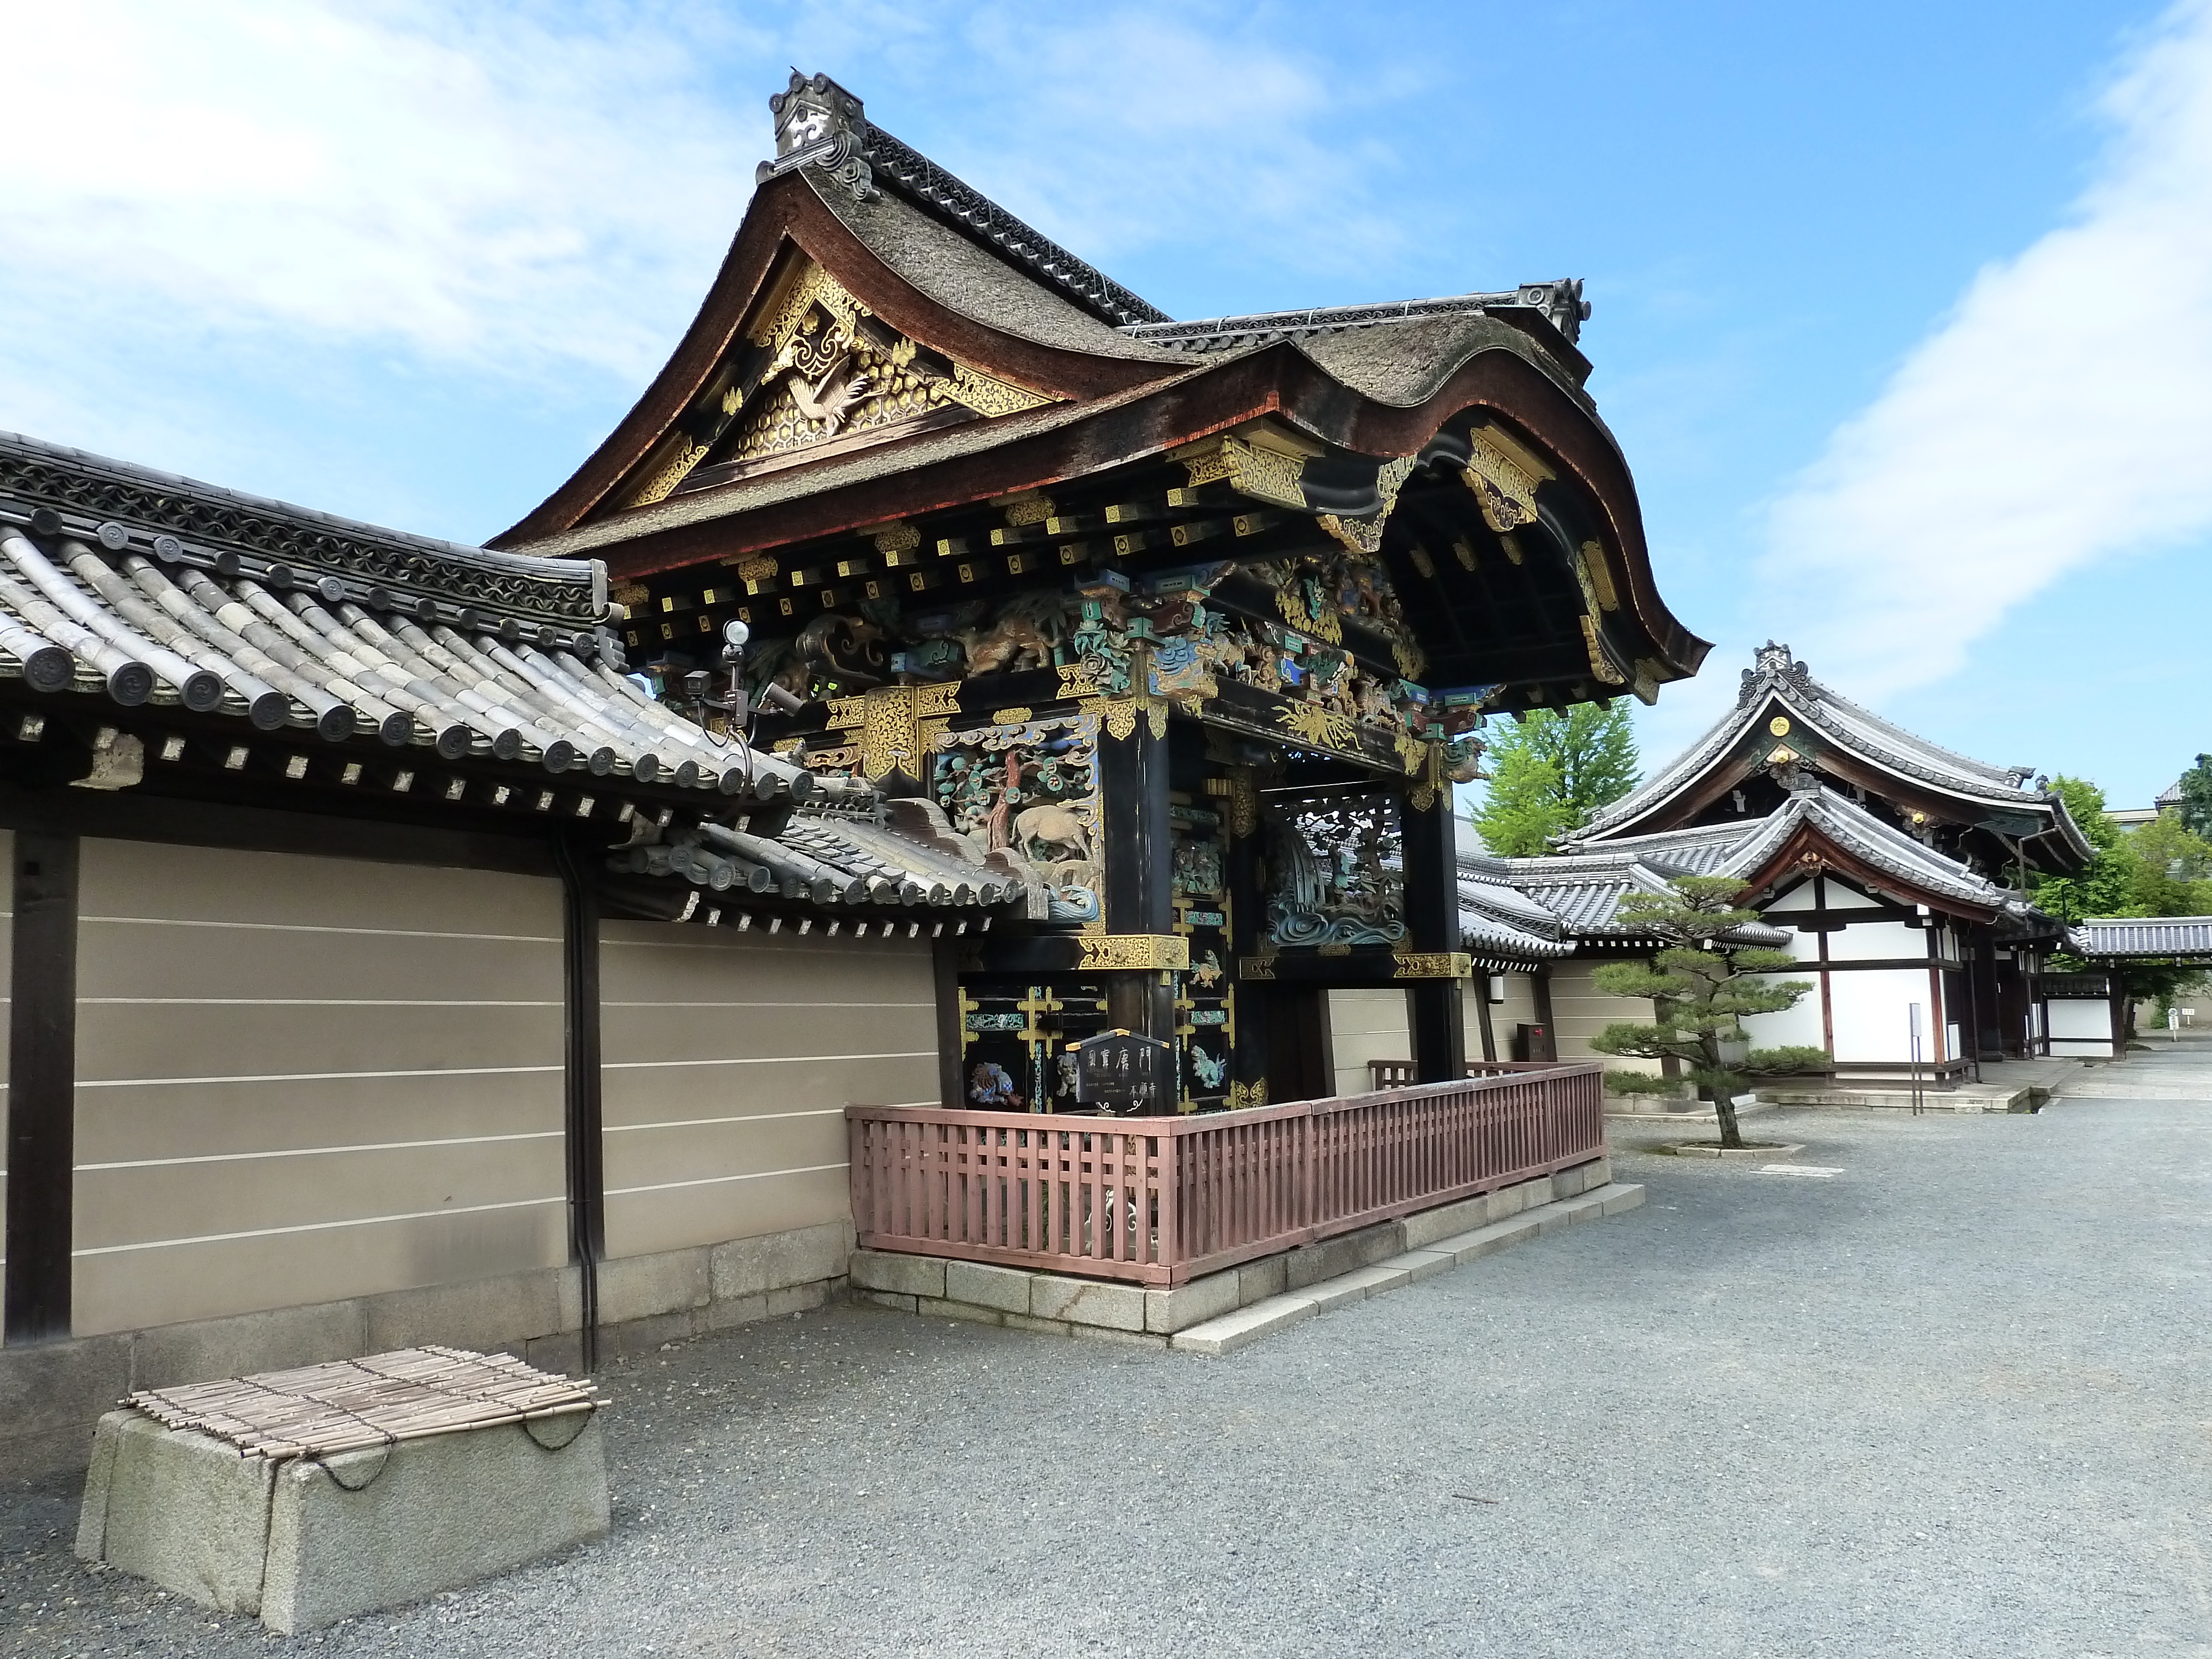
[829,398]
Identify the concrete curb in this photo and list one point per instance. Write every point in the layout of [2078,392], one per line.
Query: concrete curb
[1235,1330]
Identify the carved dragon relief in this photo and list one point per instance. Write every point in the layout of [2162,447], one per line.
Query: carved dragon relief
[831,369]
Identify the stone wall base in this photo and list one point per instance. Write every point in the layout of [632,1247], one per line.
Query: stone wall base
[1059,1305]
[52,1394]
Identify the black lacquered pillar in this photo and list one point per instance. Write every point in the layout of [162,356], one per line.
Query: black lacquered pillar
[1133,793]
[1432,937]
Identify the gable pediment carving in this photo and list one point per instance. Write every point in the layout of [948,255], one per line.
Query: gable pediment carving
[818,372]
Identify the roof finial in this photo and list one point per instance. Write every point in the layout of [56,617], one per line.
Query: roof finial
[819,124]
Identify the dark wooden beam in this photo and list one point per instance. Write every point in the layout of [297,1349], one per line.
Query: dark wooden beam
[41,1088]
[944,976]
[584,1117]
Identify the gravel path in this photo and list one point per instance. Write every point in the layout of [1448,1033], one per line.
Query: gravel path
[1952,1400]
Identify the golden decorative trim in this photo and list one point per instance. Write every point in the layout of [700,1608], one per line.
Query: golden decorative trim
[1781,755]
[1012,716]
[1335,947]
[1145,952]
[1463,553]
[828,377]
[987,395]
[1364,535]
[1244,803]
[808,284]
[1411,752]
[1512,548]
[761,568]
[1027,509]
[1266,475]
[1422,797]
[1318,727]
[1242,1095]
[1326,626]
[1601,659]
[1410,658]
[1645,685]
[1119,714]
[1357,535]
[1433,964]
[1597,576]
[900,724]
[1779,725]
[787,745]
[1075,681]
[1422,562]
[1256,967]
[847,714]
[897,537]
[662,484]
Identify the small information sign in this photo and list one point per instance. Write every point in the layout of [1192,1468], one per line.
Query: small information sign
[1121,1072]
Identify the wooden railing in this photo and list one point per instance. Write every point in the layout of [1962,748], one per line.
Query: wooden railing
[1163,1199]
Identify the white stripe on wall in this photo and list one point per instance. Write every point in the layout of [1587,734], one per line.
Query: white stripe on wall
[309,1076]
[761,1059]
[709,1123]
[305,927]
[718,1180]
[310,1002]
[320,1226]
[763,1002]
[323,1152]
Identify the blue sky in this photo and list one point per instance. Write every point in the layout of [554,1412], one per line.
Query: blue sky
[1904,313]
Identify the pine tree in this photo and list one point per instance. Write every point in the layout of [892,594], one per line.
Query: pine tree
[1553,773]
[1701,990]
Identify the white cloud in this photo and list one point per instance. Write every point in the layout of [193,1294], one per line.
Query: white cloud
[2060,416]
[522,190]
[487,189]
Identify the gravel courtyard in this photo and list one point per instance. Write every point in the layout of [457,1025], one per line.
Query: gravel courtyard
[1954,1399]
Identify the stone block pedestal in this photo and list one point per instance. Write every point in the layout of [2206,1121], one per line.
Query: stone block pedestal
[308,1541]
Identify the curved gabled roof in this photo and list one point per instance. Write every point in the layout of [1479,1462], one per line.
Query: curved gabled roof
[1778,682]
[1564,900]
[1086,391]
[1816,821]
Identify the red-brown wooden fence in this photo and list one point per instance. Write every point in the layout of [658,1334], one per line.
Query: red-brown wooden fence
[1165,1199]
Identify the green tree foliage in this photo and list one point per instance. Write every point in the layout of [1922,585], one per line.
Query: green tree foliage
[2162,869]
[1551,773]
[2169,870]
[1700,990]
[2102,889]
[2197,797]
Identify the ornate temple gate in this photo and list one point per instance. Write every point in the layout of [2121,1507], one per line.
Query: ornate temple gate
[1184,629]
[1207,857]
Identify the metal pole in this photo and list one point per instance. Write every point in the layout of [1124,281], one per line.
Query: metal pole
[1913,1019]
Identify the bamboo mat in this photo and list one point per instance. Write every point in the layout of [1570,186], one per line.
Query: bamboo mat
[349,1404]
